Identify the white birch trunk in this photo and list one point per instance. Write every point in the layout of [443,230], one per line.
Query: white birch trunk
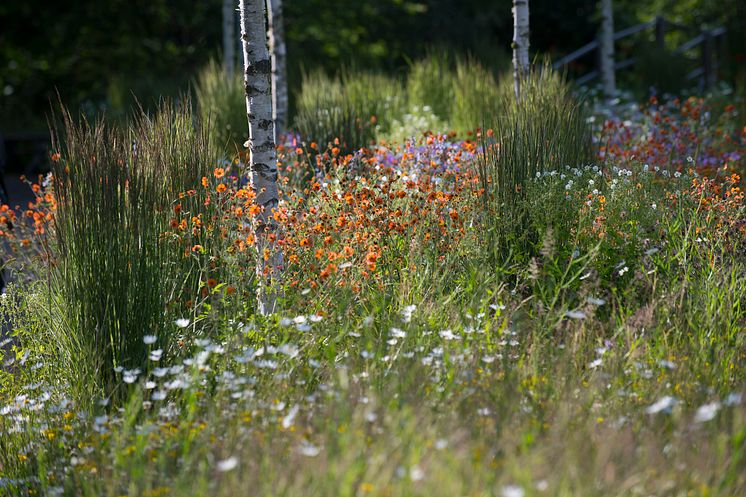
[608,77]
[279,70]
[261,144]
[229,37]
[520,44]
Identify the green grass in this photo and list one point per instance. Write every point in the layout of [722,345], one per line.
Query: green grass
[545,131]
[221,102]
[430,82]
[602,353]
[440,93]
[346,107]
[115,270]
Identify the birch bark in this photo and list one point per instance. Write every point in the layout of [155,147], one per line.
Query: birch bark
[261,145]
[608,78]
[229,37]
[279,71]
[520,44]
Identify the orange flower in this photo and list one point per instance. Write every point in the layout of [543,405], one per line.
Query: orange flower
[221,188]
[370,259]
[55,157]
[204,181]
[219,172]
[212,282]
[197,248]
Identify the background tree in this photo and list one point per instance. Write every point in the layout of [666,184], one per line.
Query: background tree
[520,44]
[261,145]
[279,65]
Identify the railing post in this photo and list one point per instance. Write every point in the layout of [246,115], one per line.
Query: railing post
[660,32]
[708,77]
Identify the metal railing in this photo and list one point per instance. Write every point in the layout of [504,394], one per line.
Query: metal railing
[705,40]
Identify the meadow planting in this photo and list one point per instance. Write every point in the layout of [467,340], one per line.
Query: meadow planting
[479,298]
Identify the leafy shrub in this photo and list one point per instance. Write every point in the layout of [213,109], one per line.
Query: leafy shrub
[661,69]
[414,122]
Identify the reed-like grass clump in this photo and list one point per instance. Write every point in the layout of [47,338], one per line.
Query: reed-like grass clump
[115,269]
[543,130]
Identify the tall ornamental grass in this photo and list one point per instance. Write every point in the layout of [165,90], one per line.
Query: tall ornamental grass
[221,102]
[545,130]
[116,270]
[349,106]
[476,96]
[430,83]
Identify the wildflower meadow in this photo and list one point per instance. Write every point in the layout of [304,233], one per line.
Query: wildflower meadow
[477,295]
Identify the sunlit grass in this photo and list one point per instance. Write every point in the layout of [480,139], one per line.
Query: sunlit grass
[602,353]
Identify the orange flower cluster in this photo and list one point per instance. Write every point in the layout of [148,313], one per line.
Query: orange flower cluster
[724,205]
[25,230]
[676,135]
[361,218]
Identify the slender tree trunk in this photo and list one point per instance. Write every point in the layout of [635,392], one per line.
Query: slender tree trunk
[279,70]
[608,78]
[261,144]
[520,44]
[229,36]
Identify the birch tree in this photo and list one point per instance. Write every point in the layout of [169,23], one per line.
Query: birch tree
[608,78]
[229,37]
[261,145]
[520,44]
[279,68]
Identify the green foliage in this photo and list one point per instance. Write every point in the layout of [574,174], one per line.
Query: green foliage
[441,93]
[609,331]
[546,129]
[221,102]
[659,68]
[116,273]
[430,83]
[347,107]
[49,49]
[476,96]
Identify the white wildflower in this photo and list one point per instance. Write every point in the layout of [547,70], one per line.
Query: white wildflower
[512,491]
[707,412]
[227,464]
[664,404]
